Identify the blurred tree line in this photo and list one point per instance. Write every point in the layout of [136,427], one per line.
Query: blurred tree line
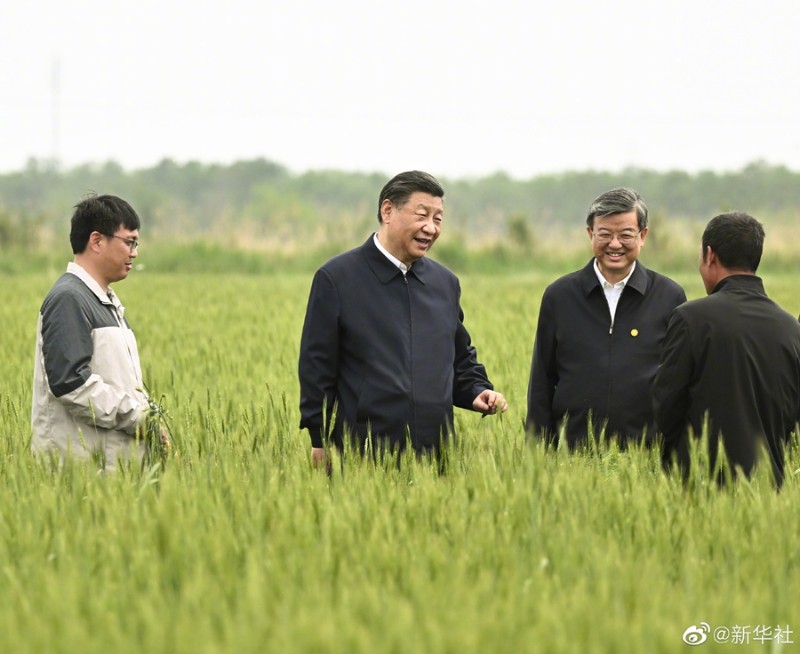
[261,204]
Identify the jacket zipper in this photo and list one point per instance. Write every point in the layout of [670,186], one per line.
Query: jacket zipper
[412,429]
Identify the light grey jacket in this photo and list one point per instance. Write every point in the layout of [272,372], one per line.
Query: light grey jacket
[88,395]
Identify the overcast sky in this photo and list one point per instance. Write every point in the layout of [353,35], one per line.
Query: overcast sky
[456,88]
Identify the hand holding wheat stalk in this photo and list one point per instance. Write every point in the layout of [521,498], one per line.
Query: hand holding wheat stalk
[157,432]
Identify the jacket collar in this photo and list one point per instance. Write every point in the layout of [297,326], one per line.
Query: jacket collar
[589,281]
[751,283]
[384,269]
[81,273]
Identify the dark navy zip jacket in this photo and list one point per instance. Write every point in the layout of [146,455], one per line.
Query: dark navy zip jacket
[388,354]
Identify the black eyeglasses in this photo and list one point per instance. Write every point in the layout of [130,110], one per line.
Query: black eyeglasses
[132,243]
[626,238]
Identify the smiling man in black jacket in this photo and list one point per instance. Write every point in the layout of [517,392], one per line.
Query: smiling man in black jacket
[599,334]
[384,351]
[732,358]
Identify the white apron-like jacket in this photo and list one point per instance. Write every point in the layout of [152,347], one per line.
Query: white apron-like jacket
[88,395]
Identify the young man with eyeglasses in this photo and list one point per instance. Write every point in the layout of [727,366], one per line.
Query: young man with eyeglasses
[599,334]
[88,397]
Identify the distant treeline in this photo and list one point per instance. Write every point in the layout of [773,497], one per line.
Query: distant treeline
[260,201]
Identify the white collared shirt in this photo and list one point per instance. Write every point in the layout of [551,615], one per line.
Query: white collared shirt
[403,267]
[612,291]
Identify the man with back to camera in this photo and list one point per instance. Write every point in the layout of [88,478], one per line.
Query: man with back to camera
[599,334]
[384,346]
[731,358]
[88,397]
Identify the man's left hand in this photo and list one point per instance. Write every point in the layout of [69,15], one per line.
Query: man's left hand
[488,402]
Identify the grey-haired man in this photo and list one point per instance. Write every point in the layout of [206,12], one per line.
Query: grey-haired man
[599,334]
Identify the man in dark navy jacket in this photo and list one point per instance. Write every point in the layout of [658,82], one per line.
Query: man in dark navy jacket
[731,360]
[599,334]
[384,352]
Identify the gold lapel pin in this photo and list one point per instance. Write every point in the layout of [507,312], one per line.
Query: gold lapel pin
[634,332]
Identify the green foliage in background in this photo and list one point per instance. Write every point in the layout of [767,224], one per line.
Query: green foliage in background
[238,545]
[257,217]
[262,203]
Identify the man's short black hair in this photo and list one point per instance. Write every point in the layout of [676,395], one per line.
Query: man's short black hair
[737,239]
[100,213]
[402,186]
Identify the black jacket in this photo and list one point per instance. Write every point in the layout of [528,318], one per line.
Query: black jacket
[736,355]
[390,352]
[582,364]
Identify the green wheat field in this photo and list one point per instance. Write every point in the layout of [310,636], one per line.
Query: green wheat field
[238,545]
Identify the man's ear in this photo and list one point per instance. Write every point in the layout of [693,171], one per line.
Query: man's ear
[386,210]
[95,238]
